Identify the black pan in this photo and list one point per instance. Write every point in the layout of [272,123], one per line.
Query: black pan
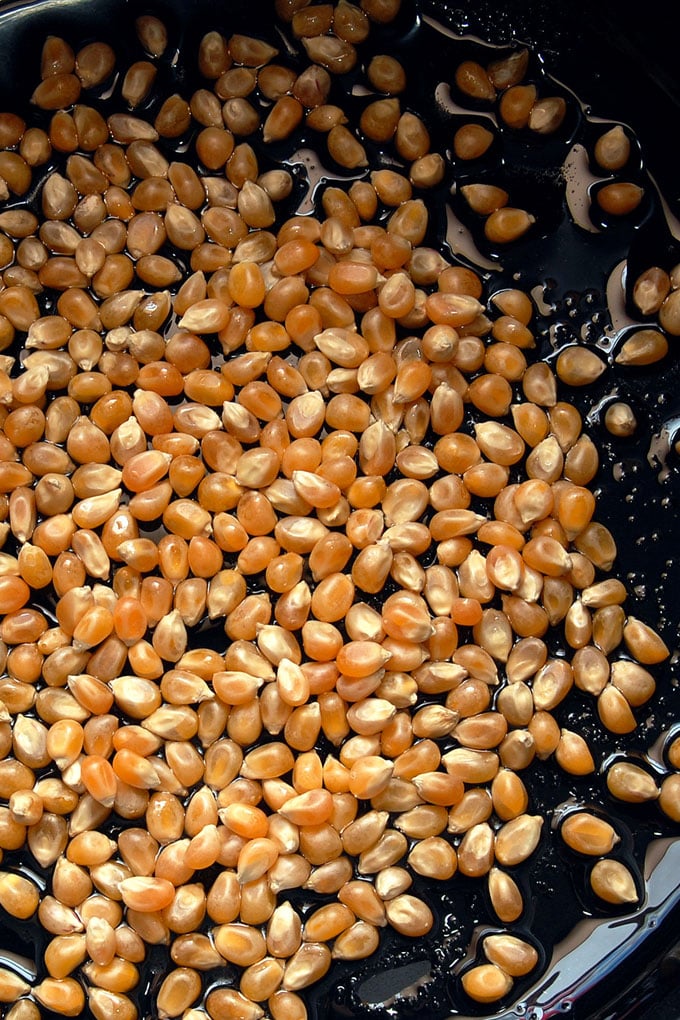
[614,67]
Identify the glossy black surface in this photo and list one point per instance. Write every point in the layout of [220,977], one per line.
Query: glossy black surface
[622,71]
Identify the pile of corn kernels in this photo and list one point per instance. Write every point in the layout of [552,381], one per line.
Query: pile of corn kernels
[287,514]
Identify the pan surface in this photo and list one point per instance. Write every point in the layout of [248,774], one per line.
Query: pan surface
[591,959]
